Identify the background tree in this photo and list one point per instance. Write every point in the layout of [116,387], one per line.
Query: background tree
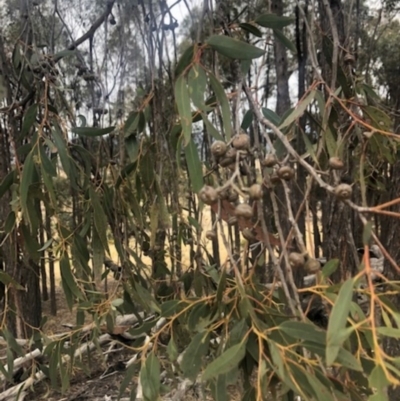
[130,137]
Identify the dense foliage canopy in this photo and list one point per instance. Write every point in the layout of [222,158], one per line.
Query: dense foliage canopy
[215,184]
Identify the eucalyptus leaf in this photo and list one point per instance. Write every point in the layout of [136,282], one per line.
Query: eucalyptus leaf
[92,131]
[273,21]
[233,48]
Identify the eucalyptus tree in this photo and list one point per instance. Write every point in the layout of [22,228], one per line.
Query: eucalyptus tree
[117,133]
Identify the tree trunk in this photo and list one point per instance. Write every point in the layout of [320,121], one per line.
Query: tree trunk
[281,67]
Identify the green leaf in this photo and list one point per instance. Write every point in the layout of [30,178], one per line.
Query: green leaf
[299,110]
[380,119]
[389,332]
[195,168]
[100,218]
[233,48]
[6,279]
[146,299]
[172,350]
[310,147]
[29,119]
[10,222]
[192,359]
[271,116]
[197,80]
[284,40]
[64,53]
[150,378]
[245,66]
[377,379]
[31,243]
[68,279]
[277,360]
[251,29]
[128,378]
[12,342]
[337,321]
[199,317]
[6,183]
[48,170]
[330,141]
[147,166]
[211,129]
[224,104]
[367,233]
[26,181]
[169,308]
[303,331]
[132,147]
[143,328]
[182,100]
[219,389]
[92,131]
[237,333]
[62,151]
[131,123]
[247,120]
[330,267]
[226,361]
[46,163]
[323,393]
[185,61]
[273,21]
[98,256]
[221,287]
[46,245]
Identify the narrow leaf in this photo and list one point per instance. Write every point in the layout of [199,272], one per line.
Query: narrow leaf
[192,359]
[29,119]
[194,166]
[299,110]
[338,320]
[92,131]
[211,129]
[273,21]
[197,80]
[303,331]
[251,29]
[68,278]
[100,218]
[98,256]
[233,48]
[6,183]
[182,99]
[226,362]
[224,104]
[150,378]
[26,181]
[284,40]
[185,61]
[330,267]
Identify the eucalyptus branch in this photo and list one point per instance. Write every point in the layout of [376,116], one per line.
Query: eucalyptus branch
[292,220]
[275,262]
[289,273]
[89,34]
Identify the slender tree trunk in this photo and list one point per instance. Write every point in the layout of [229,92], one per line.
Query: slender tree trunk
[281,67]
